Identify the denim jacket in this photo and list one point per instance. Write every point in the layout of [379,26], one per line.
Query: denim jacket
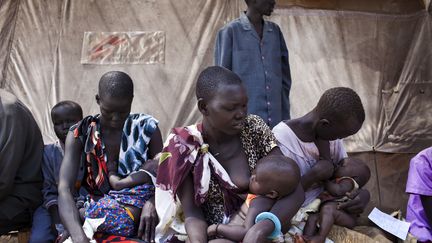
[262,65]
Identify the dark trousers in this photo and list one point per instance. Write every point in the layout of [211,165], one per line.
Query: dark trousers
[22,220]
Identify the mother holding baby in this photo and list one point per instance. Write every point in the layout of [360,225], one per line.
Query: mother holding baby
[205,168]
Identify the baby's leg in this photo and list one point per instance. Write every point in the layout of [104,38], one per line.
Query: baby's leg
[344,219]
[134,212]
[310,228]
[326,220]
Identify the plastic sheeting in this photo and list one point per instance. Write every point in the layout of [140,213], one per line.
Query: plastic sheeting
[42,64]
[384,56]
[389,173]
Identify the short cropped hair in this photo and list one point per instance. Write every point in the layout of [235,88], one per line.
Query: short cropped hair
[211,78]
[341,103]
[116,84]
[73,106]
[285,173]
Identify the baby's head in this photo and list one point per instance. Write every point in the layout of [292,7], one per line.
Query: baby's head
[275,176]
[354,168]
[63,115]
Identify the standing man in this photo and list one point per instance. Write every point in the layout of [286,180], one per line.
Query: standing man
[255,50]
[21,149]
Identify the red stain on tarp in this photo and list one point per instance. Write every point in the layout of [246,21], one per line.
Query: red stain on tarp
[106,46]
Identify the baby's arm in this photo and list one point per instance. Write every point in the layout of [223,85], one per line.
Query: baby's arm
[238,232]
[133,179]
[339,189]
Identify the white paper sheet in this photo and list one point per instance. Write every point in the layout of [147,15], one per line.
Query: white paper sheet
[390,224]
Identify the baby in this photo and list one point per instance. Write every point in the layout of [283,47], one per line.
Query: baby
[350,176]
[122,206]
[274,177]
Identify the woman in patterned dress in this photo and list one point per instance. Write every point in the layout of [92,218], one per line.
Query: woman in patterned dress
[113,142]
[204,169]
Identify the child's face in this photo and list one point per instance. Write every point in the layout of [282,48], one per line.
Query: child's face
[63,118]
[114,111]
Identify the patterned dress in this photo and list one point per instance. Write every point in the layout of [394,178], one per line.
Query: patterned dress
[186,152]
[137,131]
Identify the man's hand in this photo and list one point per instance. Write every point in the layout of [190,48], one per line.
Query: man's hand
[148,221]
[359,200]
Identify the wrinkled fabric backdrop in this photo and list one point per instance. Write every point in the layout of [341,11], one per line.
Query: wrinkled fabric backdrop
[381,49]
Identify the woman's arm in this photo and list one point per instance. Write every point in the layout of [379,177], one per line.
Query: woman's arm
[285,208]
[196,226]
[321,171]
[156,144]
[68,174]
[148,221]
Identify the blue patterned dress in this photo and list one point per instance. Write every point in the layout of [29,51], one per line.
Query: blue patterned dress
[137,132]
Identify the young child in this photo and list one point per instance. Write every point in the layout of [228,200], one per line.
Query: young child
[351,175]
[274,177]
[122,205]
[63,115]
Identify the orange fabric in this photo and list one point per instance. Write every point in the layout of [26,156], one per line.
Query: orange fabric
[249,198]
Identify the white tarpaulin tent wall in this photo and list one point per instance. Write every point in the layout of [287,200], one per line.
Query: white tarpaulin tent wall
[379,48]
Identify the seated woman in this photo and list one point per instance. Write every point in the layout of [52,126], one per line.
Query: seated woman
[204,169]
[419,188]
[313,141]
[113,139]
